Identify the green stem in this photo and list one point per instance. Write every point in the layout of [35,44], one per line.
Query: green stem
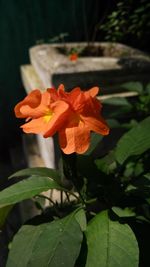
[70,172]
[91,201]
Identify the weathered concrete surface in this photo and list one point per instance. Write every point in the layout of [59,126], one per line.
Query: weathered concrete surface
[32,81]
[124,64]
[30,78]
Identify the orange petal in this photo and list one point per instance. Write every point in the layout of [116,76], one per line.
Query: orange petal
[51,126]
[60,116]
[93,91]
[36,126]
[74,139]
[97,125]
[32,100]
[38,111]
[61,88]
[53,94]
[77,99]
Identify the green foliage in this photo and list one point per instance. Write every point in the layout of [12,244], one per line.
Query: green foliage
[107,164]
[26,189]
[110,243]
[94,222]
[118,101]
[141,105]
[134,142]
[95,140]
[53,244]
[81,219]
[3,214]
[133,86]
[127,212]
[38,171]
[128,21]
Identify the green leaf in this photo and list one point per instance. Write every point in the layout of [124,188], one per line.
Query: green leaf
[133,86]
[127,212]
[110,244]
[81,219]
[142,219]
[120,112]
[113,123]
[26,189]
[140,186]
[134,142]
[53,244]
[117,101]
[3,214]
[39,171]
[106,164]
[95,140]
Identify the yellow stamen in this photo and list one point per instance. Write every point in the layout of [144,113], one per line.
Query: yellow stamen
[48,116]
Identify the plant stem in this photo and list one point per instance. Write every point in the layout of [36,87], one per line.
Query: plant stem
[45,197]
[70,172]
[61,198]
[67,196]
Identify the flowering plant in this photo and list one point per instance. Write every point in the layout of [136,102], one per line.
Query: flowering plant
[100,200]
[73,115]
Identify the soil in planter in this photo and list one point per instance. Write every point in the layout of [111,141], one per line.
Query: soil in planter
[94,51]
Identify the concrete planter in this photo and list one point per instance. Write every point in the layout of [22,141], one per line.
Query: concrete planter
[116,64]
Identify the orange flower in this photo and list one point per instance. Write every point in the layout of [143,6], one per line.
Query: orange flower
[73,57]
[73,115]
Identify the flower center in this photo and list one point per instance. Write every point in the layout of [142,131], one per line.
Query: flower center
[48,116]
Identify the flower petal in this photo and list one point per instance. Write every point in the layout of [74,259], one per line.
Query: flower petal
[53,94]
[76,99]
[36,126]
[97,125]
[40,110]
[74,139]
[60,116]
[48,126]
[93,91]
[32,100]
